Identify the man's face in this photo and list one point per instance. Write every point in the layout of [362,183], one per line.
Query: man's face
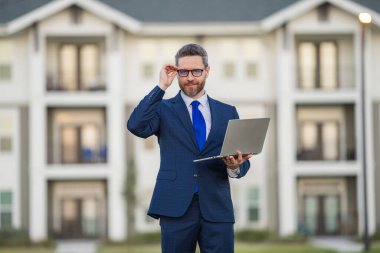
[191,85]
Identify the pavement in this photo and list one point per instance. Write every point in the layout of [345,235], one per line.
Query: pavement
[76,246]
[338,244]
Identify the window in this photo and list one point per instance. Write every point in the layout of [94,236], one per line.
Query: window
[251,70]
[5,134]
[5,60]
[229,70]
[77,136]
[319,140]
[253,203]
[5,210]
[326,132]
[147,70]
[318,65]
[79,67]
[75,65]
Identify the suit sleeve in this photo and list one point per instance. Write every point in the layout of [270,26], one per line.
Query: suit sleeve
[246,165]
[145,119]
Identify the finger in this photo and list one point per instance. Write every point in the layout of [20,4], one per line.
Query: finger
[170,68]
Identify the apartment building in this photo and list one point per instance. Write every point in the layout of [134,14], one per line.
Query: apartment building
[71,71]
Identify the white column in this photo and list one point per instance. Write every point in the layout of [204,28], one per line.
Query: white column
[37,143]
[369,137]
[286,138]
[116,139]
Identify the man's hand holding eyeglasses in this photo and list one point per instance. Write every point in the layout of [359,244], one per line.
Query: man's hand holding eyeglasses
[167,75]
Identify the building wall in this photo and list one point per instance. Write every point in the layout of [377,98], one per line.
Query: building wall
[255,72]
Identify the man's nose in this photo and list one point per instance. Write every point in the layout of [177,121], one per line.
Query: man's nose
[190,76]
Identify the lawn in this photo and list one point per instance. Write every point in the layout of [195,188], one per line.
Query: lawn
[239,248]
[25,249]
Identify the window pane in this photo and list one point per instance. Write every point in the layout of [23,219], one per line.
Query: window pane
[331,213]
[89,216]
[147,70]
[307,65]
[251,70]
[70,144]
[328,54]
[5,125]
[5,72]
[5,51]
[6,220]
[254,195]
[68,67]
[89,60]
[5,144]
[6,198]
[229,70]
[311,210]
[253,214]
[309,136]
[330,141]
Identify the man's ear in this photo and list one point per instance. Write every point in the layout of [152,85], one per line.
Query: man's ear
[207,70]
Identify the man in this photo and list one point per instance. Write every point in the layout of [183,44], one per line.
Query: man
[192,200]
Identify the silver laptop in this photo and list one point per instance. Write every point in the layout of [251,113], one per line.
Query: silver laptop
[246,135]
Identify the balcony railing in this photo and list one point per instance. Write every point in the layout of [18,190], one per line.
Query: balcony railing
[327,78]
[55,84]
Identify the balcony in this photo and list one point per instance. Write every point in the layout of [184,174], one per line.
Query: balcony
[77,136]
[75,64]
[325,133]
[322,65]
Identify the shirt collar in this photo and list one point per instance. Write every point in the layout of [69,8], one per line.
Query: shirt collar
[188,100]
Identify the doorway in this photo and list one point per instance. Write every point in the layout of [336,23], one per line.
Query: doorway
[322,216]
[79,218]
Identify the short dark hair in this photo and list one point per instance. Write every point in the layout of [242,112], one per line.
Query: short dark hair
[192,50]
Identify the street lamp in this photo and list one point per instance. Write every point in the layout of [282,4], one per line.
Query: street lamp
[365,19]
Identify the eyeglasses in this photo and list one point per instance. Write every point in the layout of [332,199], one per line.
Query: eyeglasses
[194,72]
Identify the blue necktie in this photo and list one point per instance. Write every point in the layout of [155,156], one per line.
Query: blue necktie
[199,126]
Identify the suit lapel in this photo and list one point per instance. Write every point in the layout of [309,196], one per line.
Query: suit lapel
[183,114]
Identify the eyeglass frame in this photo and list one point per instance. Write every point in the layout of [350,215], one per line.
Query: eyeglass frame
[188,72]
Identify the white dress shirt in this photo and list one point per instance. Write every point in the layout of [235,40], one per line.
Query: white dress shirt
[204,107]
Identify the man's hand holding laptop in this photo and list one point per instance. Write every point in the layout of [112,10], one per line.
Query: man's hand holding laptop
[234,162]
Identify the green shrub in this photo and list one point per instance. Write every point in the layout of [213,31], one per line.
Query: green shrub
[14,237]
[248,235]
[293,238]
[376,236]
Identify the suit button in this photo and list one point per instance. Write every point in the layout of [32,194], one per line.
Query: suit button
[195,175]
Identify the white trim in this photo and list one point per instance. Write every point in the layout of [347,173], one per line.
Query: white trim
[182,29]
[37,15]
[191,29]
[113,15]
[355,9]
[277,19]
[94,6]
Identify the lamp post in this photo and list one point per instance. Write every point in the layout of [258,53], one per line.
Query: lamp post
[365,19]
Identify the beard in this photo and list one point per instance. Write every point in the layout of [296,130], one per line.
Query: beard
[193,88]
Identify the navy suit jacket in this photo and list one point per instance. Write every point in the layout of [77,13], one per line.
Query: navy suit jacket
[170,121]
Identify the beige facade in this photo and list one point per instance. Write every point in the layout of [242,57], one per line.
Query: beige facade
[72,70]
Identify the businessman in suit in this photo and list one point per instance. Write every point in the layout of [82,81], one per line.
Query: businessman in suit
[192,200]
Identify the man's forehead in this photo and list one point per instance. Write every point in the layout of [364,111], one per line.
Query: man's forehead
[190,60]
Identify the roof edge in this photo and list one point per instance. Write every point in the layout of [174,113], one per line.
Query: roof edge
[94,6]
[278,19]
